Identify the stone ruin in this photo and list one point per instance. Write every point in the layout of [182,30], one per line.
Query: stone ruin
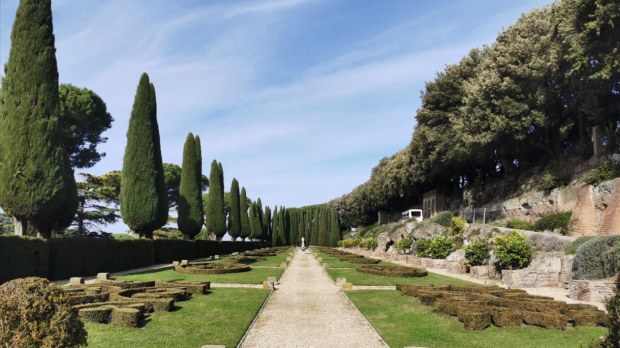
[127,303]
[479,307]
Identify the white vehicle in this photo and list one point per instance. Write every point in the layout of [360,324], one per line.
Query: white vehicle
[413,213]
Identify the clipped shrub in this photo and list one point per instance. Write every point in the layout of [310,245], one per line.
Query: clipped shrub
[595,176]
[519,225]
[477,254]
[393,271]
[546,320]
[129,317]
[101,314]
[572,248]
[23,257]
[443,218]
[474,320]
[513,250]
[591,261]
[457,224]
[440,247]
[554,221]
[167,250]
[34,313]
[404,243]
[213,268]
[369,243]
[422,247]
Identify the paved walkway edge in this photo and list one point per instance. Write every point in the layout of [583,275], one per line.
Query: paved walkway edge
[245,335]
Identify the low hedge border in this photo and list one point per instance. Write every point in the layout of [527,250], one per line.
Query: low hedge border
[214,268]
[393,271]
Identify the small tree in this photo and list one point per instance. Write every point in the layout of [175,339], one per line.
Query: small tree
[234,217]
[477,253]
[246,229]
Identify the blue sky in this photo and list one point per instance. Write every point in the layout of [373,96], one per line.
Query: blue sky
[298,99]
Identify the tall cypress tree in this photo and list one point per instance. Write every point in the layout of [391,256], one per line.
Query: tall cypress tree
[267,221]
[334,226]
[34,178]
[282,227]
[292,215]
[324,227]
[144,200]
[246,229]
[274,227]
[259,210]
[190,212]
[216,219]
[255,222]
[234,219]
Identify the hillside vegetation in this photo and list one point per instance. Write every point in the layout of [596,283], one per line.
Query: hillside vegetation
[530,98]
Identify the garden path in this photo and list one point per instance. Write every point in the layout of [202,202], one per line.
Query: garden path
[309,310]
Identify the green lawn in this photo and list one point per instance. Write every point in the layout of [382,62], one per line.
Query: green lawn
[358,278]
[403,321]
[271,261]
[255,276]
[221,318]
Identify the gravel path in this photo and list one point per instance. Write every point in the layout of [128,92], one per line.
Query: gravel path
[309,310]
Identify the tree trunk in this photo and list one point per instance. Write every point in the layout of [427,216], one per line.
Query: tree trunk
[20,226]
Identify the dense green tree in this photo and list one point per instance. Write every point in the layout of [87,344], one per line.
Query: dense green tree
[261,218]
[274,227]
[216,219]
[234,217]
[83,118]
[172,178]
[267,220]
[246,228]
[324,226]
[257,230]
[144,203]
[190,210]
[282,227]
[98,199]
[335,235]
[34,176]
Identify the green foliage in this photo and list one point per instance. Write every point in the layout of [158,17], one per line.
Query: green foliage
[168,250]
[216,219]
[246,229]
[83,117]
[477,253]
[549,181]
[612,340]
[519,225]
[35,314]
[572,248]
[422,247]
[513,250]
[457,224]
[595,176]
[144,203]
[440,247]
[443,218]
[404,243]
[369,243]
[234,218]
[34,171]
[23,257]
[334,226]
[554,221]
[190,209]
[597,258]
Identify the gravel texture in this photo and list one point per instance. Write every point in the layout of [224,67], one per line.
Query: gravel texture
[309,310]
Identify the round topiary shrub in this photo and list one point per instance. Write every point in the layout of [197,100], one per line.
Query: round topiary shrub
[213,268]
[513,250]
[457,224]
[597,258]
[34,313]
[393,271]
[477,254]
[440,247]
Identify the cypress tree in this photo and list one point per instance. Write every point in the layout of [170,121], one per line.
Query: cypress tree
[234,219]
[190,212]
[255,222]
[259,210]
[334,226]
[216,219]
[268,233]
[282,227]
[292,226]
[324,227]
[246,229]
[274,227]
[34,182]
[144,200]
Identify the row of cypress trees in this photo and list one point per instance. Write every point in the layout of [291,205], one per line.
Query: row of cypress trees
[317,224]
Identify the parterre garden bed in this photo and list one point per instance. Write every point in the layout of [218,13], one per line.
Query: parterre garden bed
[405,321]
[358,278]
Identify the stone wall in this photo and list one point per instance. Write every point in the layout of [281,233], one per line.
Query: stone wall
[591,290]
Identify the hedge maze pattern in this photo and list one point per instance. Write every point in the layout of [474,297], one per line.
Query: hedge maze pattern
[127,303]
[213,268]
[348,257]
[479,307]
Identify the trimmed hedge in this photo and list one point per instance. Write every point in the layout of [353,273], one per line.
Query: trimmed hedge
[214,268]
[72,257]
[393,271]
[23,257]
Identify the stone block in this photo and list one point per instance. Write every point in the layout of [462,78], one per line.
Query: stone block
[340,281]
[457,255]
[591,290]
[433,263]
[529,278]
[272,279]
[284,265]
[103,276]
[346,286]
[235,253]
[76,280]
[483,272]
[216,257]
[457,267]
[184,262]
[176,263]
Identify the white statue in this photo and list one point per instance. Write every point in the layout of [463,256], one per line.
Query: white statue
[303,243]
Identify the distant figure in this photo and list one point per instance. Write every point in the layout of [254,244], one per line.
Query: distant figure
[303,243]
